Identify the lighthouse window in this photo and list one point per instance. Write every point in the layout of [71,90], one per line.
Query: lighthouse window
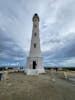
[35,25]
[35,19]
[34,45]
[35,34]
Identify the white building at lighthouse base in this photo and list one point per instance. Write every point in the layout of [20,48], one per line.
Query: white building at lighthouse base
[32,69]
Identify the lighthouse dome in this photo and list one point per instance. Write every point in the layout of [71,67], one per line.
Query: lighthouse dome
[35,16]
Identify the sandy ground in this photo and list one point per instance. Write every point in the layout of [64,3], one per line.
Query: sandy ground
[49,86]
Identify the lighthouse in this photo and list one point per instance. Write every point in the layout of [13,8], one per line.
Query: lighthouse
[34,61]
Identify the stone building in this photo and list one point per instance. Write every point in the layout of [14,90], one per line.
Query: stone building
[34,61]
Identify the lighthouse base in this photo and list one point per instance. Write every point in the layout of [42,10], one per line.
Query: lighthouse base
[34,71]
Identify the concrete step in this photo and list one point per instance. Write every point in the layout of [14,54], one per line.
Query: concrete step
[34,71]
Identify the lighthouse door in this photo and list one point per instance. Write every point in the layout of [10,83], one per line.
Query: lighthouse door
[34,64]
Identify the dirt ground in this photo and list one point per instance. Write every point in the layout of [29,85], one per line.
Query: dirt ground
[39,87]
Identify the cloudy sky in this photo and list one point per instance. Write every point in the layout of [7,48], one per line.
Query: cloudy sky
[57,31]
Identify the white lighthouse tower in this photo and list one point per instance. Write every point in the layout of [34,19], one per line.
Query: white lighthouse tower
[34,61]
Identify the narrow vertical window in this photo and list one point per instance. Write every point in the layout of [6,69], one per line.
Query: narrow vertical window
[34,45]
[35,34]
[35,25]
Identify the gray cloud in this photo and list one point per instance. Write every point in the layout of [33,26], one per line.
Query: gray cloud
[9,50]
[57,32]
